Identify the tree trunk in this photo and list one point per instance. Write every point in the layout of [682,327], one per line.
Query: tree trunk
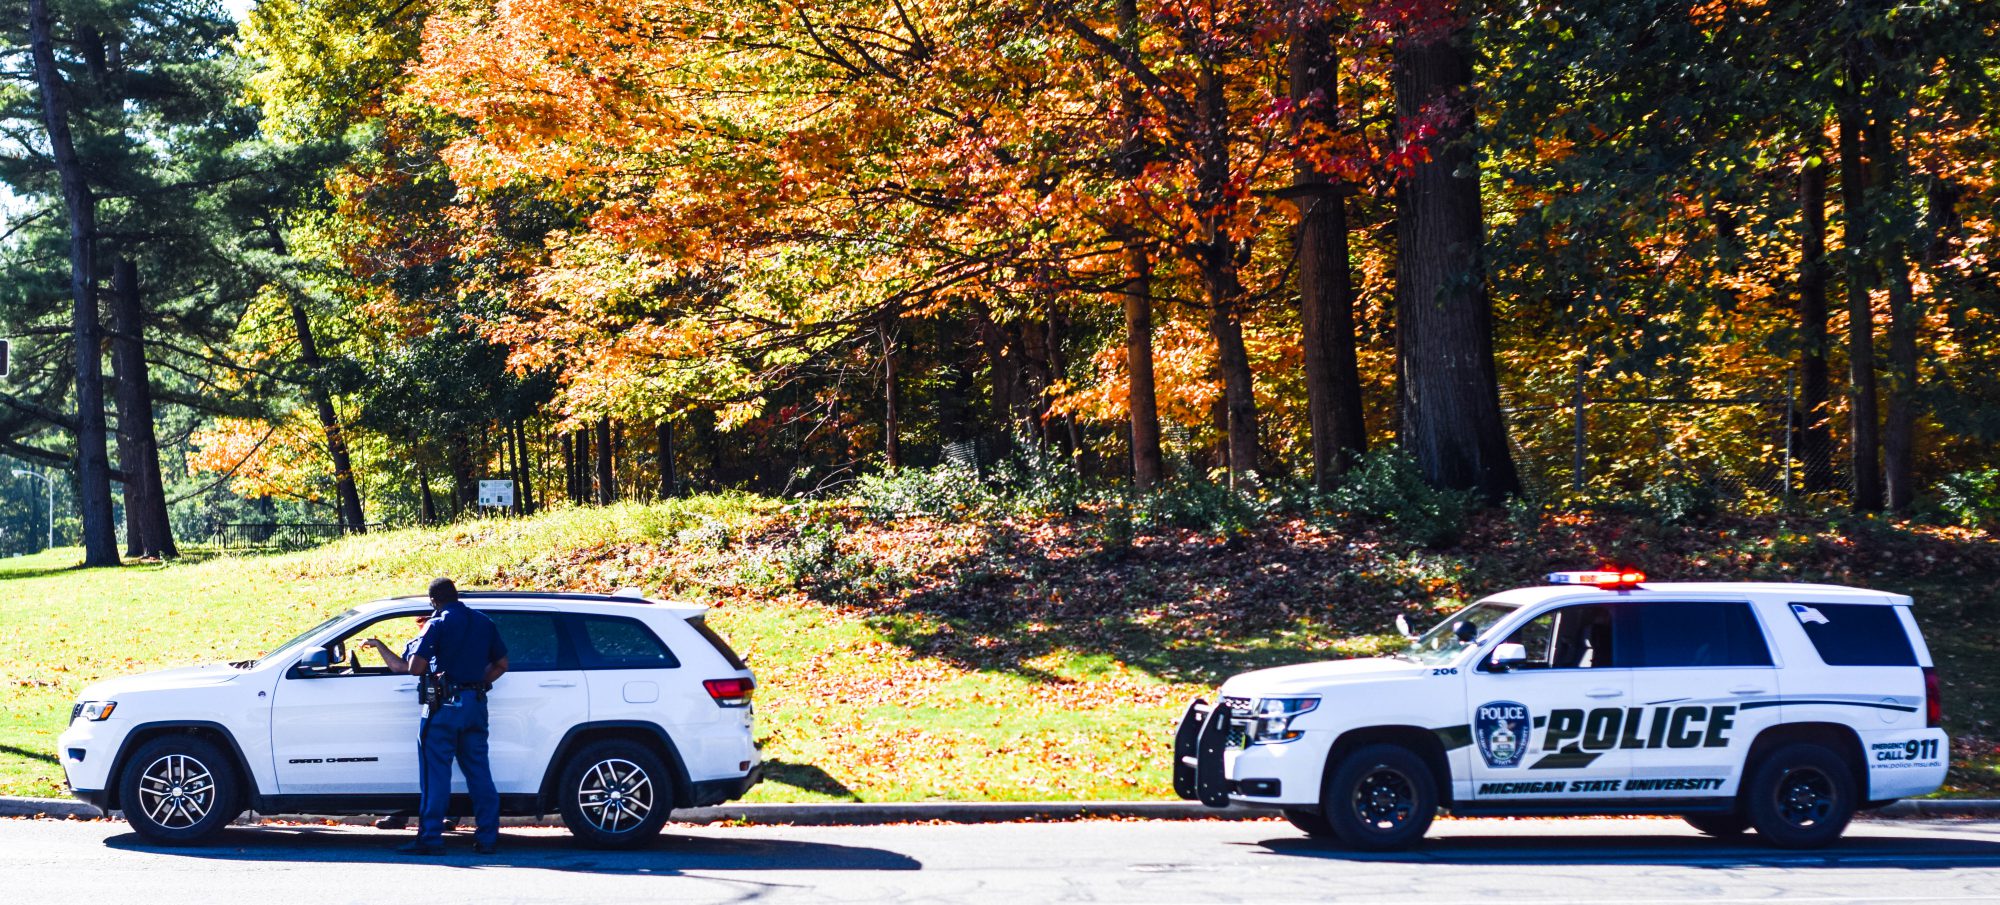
[526,480]
[1216,253]
[1863,442]
[427,512]
[93,465]
[1815,438]
[1449,392]
[464,480]
[1142,392]
[569,464]
[346,497]
[135,416]
[1142,397]
[891,391]
[1326,284]
[581,492]
[607,479]
[663,440]
[1899,419]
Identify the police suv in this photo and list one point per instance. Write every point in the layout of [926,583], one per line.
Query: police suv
[1780,707]
[615,710]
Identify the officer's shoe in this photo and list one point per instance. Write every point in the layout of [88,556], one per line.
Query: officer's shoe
[419,848]
[485,848]
[393,822]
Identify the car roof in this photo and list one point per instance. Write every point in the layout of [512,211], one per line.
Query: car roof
[564,600]
[1784,591]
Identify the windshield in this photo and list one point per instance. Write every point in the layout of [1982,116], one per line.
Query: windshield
[1445,641]
[297,640]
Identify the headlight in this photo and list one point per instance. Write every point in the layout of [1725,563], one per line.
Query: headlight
[1271,719]
[94,710]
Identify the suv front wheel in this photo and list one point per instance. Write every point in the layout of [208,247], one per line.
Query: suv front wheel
[1801,796]
[179,790]
[1380,798]
[615,794]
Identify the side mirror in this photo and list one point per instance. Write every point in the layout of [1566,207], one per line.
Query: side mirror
[317,659]
[1507,656]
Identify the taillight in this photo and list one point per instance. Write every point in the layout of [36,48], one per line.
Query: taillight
[1933,698]
[730,692]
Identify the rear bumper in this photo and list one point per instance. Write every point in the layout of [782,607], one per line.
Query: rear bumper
[717,791]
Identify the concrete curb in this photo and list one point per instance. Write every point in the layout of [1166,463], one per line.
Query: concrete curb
[874,813]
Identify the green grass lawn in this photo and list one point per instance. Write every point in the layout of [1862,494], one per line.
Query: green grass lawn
[844,713]
[1001,659]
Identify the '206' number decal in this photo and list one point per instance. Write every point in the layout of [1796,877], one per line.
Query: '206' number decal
[1444,671]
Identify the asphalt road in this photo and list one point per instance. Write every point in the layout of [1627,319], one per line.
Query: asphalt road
[1630,862]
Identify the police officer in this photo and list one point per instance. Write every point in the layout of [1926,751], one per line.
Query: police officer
[399,664]
[461,652]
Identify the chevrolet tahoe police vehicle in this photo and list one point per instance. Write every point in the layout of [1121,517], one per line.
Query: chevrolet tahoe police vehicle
[615,710]
[1783,708]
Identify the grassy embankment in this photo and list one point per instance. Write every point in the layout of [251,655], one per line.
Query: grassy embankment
[980,659]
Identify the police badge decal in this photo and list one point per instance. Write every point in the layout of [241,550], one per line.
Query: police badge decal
[1501,730]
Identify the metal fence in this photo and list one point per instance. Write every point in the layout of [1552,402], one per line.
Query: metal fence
[275,535]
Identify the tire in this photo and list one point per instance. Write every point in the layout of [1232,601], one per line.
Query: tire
[180,790]
[1720,826]
[615,794]
[1380,798]
[1309,822]
[1801,796]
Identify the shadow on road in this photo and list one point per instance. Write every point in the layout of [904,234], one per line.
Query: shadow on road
[670,855]
[1854,851]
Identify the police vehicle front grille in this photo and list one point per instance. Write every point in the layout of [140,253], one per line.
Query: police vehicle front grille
[1239,710]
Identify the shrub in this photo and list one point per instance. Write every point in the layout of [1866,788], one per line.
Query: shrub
[1972,497]
[947,491]
[1211,506]
[1388,487]
[1677,498]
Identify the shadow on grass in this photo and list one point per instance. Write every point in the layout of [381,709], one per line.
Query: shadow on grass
[807,777]
[43,756]
[1182,607]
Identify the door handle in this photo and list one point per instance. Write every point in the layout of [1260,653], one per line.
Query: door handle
[406,688]
[1604,693]
[556,684]
[1746,689]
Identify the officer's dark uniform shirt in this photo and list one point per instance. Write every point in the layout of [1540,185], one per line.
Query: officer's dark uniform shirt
[460,642]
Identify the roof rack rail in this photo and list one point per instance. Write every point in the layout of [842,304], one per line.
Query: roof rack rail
[558,595]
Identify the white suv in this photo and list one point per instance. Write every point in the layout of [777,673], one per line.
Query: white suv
[1779,707]
[616,709]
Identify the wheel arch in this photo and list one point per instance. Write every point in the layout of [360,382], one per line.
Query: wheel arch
[1842,739]
[206,730]
[1424,742]
[651,735]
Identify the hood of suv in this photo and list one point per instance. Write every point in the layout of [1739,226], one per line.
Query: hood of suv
[183,677]
[1310,677]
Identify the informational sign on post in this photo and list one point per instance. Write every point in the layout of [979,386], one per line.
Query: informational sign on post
[496,494]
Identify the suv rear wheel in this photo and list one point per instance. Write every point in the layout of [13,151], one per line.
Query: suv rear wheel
[1801,796]
[1382,797]
[179,790]
[615,794]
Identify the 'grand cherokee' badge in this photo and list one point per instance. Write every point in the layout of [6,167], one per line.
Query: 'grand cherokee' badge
[1501,729]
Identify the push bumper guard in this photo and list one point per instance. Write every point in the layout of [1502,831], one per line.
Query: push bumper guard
[1199,743]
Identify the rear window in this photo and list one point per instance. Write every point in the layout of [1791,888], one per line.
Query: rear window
[1703,633]
[721,647]
[1856,634]
[620,642]
[533,644]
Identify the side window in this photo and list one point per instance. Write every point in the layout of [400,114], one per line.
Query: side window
[534,641]
[1702,633]
[1571,637]
[620,642]
[1856,634]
